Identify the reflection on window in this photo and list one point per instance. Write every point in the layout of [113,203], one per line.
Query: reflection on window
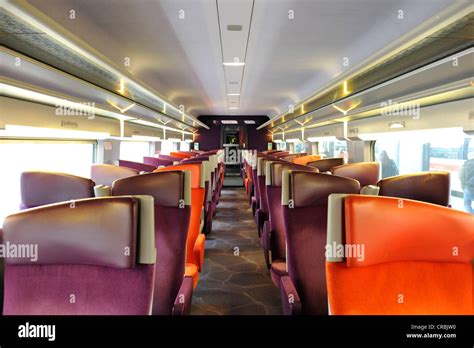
[281,146]
[17,157]
[333,148]
[134,150]
[435,150]
[300,147]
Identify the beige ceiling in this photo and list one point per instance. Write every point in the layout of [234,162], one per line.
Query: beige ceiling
[178,46]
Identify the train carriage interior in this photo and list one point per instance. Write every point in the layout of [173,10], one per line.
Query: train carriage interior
[236,159]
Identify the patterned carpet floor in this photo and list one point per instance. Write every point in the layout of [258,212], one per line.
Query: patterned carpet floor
[235,279]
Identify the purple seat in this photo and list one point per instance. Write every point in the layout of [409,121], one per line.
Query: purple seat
[157,162]
[171,191]
[366,173]
[141,167]
[170,158]
[106,174]
[326,164]
[40,188]
[94,266]
[430,187]
[274,236]
[304,207]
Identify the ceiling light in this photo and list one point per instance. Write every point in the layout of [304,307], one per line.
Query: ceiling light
[229,122]
[396,125]
[233,94]
[316,139]
[277,141]
[40,132]
[145,137]
[188,141]
[175,140]
[234,63]
[234,27]
[293,140]
[233,83]
[249,122]
[233,108]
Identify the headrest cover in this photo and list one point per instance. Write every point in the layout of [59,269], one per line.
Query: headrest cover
[431,187]
[41,188]
[106,174]
[141,167]
[325,165]
[166,187]
[194,168]
[305,159]
[95,231]
[311,189]
[386,226]
[156,162]
[275,169]
[366,173]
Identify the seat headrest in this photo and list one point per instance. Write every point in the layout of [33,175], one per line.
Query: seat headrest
[303,160]
[141,167]
[156,162]
[326,164]
[396,230]
[41,188]
[94,231]
[168,188]
[106,174]
[274,171]
[430,187]
[366,173]
[306,189]
[197,180]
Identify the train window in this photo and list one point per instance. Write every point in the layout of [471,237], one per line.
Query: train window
[166,147]
[333,148]
[19,156]
[300,147]
[134,150]
[184,146]
[281,146]
[444,149]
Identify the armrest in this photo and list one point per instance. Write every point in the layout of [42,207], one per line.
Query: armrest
[260,219]
[370,190]
[182,303]
[102,191]
[199,250]
[266,242]
[290,300]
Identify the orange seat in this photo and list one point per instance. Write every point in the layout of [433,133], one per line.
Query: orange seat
[303,160]
[195,241]
[414,257]
[180,155]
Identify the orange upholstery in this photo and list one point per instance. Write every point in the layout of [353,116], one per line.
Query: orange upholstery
[192,271]
[303,160]
[417,259]
[180,155]
[195,241]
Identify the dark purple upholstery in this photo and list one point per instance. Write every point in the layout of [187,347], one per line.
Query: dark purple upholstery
[40,188]
[170,158]
[274,233]
[366,173]
[141,167]
[154,161]
[81,267]
[430,187]
[305,227]
[171,230]
[106,174]
[326,164]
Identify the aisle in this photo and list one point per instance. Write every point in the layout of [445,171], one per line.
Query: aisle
[235,279]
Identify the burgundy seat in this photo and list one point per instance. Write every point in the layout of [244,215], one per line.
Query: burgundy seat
[366,173]
[106,174]
[430,187]
[141,167]
[98,265]
[326,164]
[171,191]
[170,158]
[304,207]
[154,161]
[274,236]
[40,188]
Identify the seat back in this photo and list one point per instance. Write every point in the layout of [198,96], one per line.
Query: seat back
[410,257]
[171,192]
[181,155]
[141,167]
[197,203]
[170,158]
[304,160]
[430,187]
[292,156]
[40,188]
[156,162]
[326,164]
[366,173]
[94,266]
[106,174]
[304,207]
[274,172]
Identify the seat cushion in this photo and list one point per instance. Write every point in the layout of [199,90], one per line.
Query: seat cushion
[277,270]
[192,271]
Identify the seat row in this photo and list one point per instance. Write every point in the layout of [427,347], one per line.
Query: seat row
[119,243]
[296,220]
